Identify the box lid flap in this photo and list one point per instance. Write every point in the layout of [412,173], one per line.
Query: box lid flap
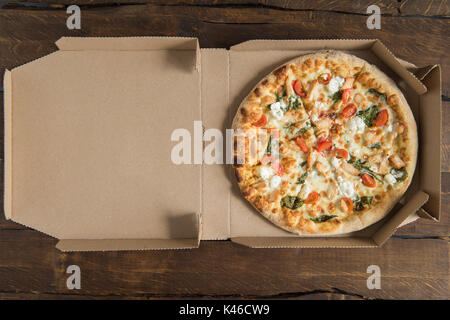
[7,90]
[388,228]
[388,57]
[430,140]
[287,242]
[130,44]
[125,244]
[316,44]
[92,142]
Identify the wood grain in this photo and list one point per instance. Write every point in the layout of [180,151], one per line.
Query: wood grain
[216,27]
[410,268]
[388,7]
[414,264]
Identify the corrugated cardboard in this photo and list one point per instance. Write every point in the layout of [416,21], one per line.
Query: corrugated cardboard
[88,142]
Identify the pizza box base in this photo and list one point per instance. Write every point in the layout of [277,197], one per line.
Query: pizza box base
[88,138]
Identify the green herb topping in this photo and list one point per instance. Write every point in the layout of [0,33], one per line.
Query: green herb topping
[291,202]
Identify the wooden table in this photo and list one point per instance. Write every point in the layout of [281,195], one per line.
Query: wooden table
[414,263]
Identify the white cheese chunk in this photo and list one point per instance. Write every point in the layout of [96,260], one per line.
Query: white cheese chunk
[276,110]
[336,162]
[319,105]
[356,124]
[265,172]
[347,189]
[275,182]
[390,179]
[305,190]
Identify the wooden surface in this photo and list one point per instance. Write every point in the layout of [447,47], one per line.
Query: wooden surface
[414,263]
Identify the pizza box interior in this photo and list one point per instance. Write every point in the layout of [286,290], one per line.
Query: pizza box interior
[88,143]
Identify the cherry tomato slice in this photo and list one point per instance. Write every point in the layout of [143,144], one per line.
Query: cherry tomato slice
[349,111]
[368,181]
[278,167]
[324,78]
[325,145]
[298,88]
[346,95]
[348,203]
[341,153]
[382,118]
[312,197]
[262,121]
[302,144]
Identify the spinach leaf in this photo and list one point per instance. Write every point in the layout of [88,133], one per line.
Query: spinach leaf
[323,218]
[302,178]
[291,202]
[279,97]
[368,115]
[360,203]
[294,103]
[375,146]
[399,174]
[363,168]
[377,93]
[304,163]
[304,129]
[337,96]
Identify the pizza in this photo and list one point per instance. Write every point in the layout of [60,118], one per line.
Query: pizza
[325,144]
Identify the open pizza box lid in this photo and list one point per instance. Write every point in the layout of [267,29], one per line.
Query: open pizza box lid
[90,130]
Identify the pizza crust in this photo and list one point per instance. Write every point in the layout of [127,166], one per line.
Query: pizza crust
[342,64]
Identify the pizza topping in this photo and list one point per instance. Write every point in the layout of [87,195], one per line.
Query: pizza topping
[350,169]
[336,162]
[377,93]
[382,118]
[346,94]
[347,188]
[363,202]
[291,202]
[355,124]
[341,153]
[368,181]
[322,218]
[368,115]
[312,197]
[324,78]
[349,111]
[261,122]
[346,204]
[302,144]
[275,182]
[302,178]
[396,162]
[298,88]
[390,179]
[321,168]
[335,84]
[276,111]
[265,172]
[399,174]
[332,189]
[278,167]
[267,158]
[324,145]
[348,84]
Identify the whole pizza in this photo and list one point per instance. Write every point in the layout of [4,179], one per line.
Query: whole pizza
[325,144]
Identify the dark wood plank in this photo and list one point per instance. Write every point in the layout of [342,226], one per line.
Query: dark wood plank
[29,264]
[27,34]
[388,7]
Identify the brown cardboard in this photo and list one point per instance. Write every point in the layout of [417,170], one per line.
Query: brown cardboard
[181,204]
[90,132]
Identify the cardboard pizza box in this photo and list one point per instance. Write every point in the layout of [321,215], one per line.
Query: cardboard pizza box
[90,130]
